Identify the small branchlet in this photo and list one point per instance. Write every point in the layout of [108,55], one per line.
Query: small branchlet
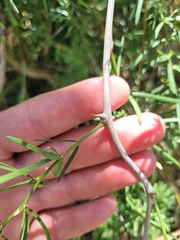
[106,116]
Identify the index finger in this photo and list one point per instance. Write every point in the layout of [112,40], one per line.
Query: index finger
[53,113]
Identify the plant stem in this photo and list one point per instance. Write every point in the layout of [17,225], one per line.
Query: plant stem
[74,148]
[160,219]
[106,116]
[143,44]
[78,142]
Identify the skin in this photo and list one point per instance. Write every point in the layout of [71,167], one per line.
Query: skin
[96,170]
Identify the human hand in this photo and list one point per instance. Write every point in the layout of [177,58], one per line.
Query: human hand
[96,169]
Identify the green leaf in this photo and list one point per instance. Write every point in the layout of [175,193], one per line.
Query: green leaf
[58,169]
[171,79]
[48,155]
[68,162]
[138,59]
[163,58]
[168,19]
[119,60]
[83,3]
[158,90]
[37,217]
[25,144]
[22,171]
[16,185]
[156,97]
[55,140]
[54,150]
[45,6]
[158,29]
[168,120]
[113,64]
[6,167]
[177,18]
[155,43]
[138,11]
[136,107]
[176,67]
[161,220]
[15,9]
[166,155]
[171,25]
[25,226]
[178,114]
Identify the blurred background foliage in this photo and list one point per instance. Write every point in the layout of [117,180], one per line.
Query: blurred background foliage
[45,45]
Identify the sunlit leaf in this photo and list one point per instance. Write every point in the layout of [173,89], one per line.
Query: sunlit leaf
[6,167]
[15,9]
[156,97]
[158,29]
[178,113]
[138,59]
[155,43]
[168,19]
[171,25]
[168,120]
[119,60]
[166,155]
[176,67]
[177,18]
[161,220]
[163,58]
[138,11]
[136,107]
[172,82]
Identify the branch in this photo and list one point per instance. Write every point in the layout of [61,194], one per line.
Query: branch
[106,116]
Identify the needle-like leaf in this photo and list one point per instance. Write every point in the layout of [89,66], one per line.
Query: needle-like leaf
[138,11]
[37,217]
[136,107]
[68,162]
[22,171]
[25,226]
[48,155]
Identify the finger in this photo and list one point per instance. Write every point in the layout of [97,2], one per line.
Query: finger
[50,114]
[64,223]
[99,147]
[91,182]
[81,184]
[74,221]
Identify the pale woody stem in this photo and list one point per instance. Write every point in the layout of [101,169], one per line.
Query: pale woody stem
[106,116]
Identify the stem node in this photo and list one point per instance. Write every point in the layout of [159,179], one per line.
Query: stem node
[103,117]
